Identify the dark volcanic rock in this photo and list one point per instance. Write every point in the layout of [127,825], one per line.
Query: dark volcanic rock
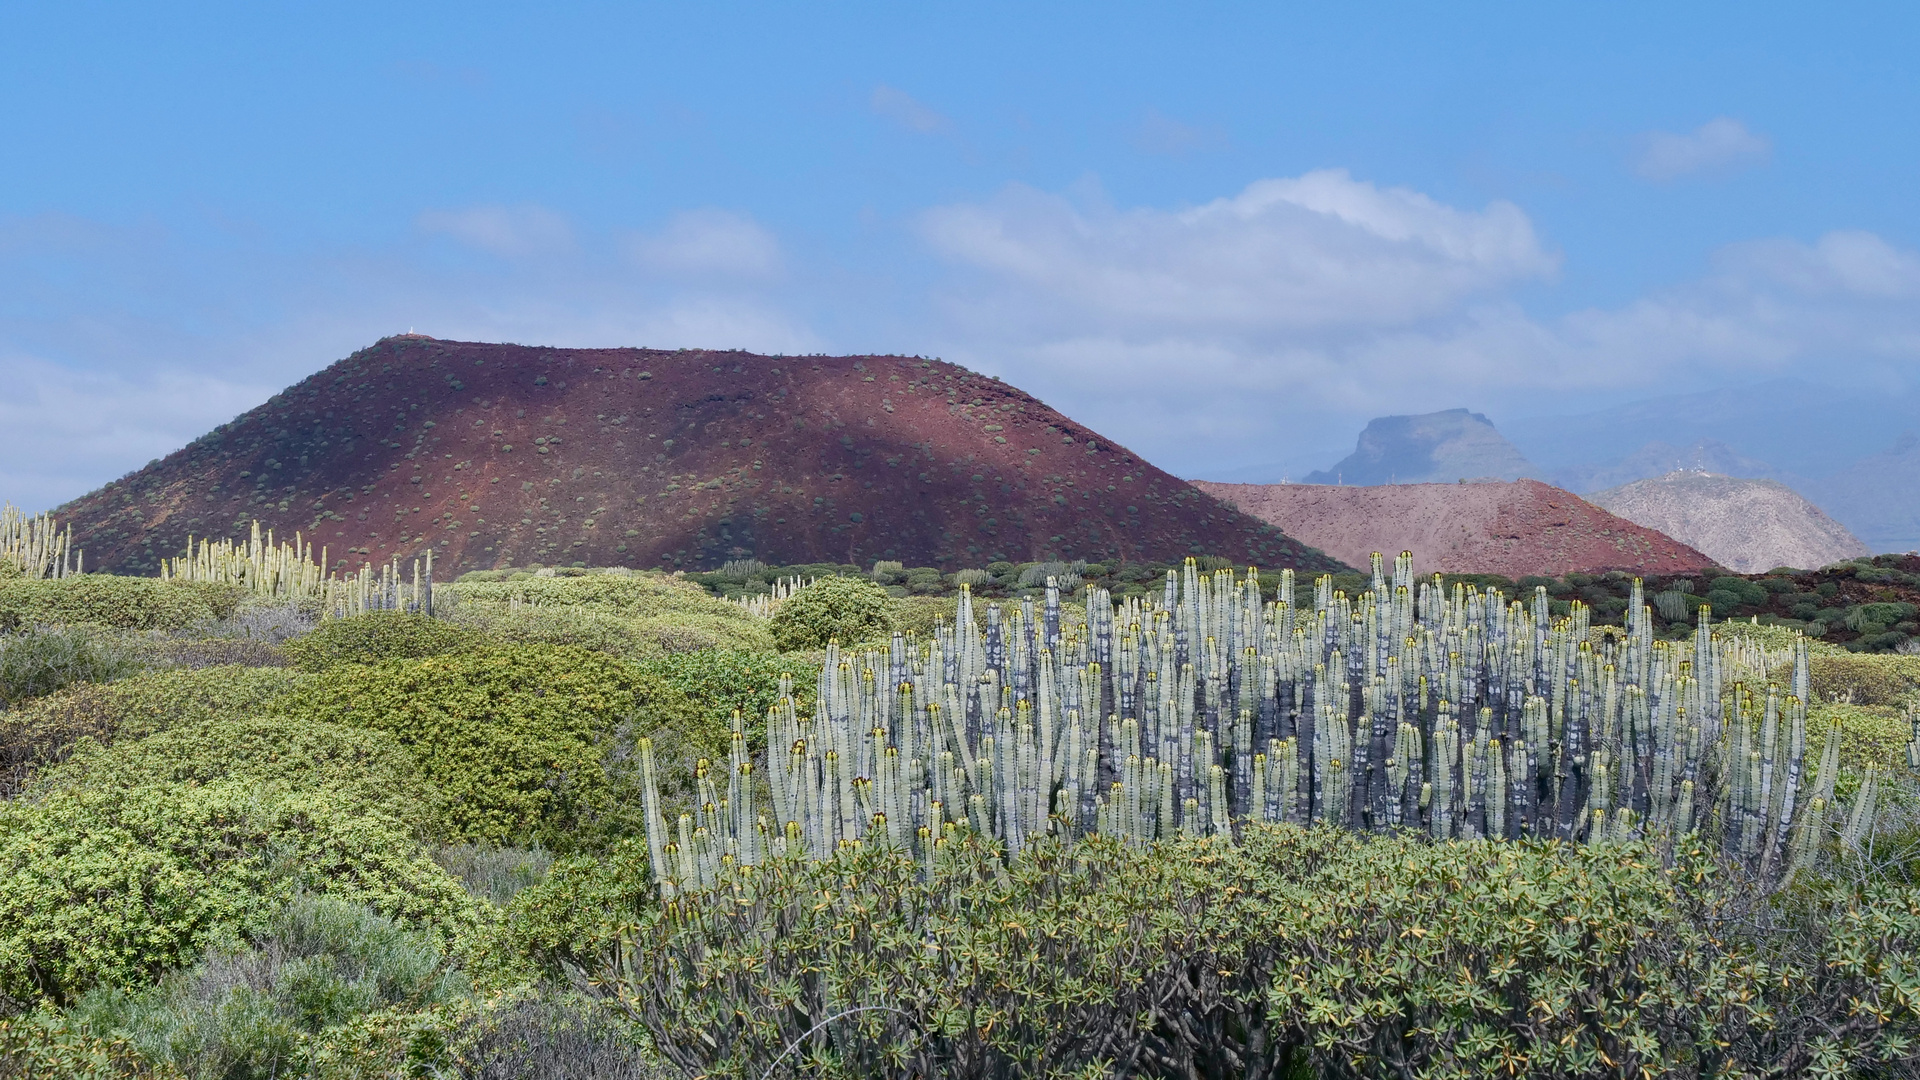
[496,455]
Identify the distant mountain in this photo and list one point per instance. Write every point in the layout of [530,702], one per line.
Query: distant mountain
[1513,529]
[499,455]
[1800,428]
[1747,525]
[1879,496]
[1439,447]
[1658,459]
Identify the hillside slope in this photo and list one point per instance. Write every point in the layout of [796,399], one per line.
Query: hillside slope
[495,455]
[1513,529]
[1747,525]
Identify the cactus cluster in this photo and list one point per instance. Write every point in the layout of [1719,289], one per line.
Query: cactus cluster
[36,546]
[1455,712]
[288,571]
[763,604]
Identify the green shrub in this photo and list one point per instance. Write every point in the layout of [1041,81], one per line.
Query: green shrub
[495,874]
[660,613]
[525,744]
[1739,590]
[1864,680]
[573,916]
[1874,735]
[918,615]
[367,771]
[719,681]
[47,1042]
[553,1034]
[45,731]
[846,609]
[377,636]
[38,661]
[113,886]
[1294,952]
[122,603]
[597,630]
[259,1011]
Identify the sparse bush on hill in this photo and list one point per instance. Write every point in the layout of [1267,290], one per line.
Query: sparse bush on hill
[846,609]
[527,744]
[377,636]
[121,603]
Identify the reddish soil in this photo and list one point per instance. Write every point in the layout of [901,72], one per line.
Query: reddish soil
[505,455]
[1513,529]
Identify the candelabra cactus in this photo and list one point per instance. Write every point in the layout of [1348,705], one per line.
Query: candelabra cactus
[1455,711]
[288,571]
[36,546]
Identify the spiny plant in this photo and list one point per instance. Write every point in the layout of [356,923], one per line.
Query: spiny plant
[288,571]
[1409,707]
[36,547]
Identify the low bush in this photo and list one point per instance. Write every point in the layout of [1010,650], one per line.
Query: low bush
[1295,952]
[846,609]
[527,745]
[573,916]
[366,771]
[39,661]
[553,1033]
[495,874]
[46,730]
[261,1010]
[1864,680]
[111,887]
[655,613]
[377,636]
[597,630]
[719,681]
[121,603]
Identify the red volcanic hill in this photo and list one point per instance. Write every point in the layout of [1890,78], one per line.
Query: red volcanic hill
[499,455]
[1512,529]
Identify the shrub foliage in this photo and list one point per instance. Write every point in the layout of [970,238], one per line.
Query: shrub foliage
[846,609]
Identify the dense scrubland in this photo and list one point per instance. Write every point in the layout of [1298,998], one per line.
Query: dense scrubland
[837,820]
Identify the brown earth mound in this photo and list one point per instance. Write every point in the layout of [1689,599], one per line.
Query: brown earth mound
[1747,525]
[1513,529]
[499,455]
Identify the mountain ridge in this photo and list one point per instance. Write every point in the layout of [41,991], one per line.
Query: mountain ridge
[495,455]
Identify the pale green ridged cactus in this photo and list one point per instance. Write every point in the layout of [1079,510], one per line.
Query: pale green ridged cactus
[35,546]
[289,571]
[1454,711]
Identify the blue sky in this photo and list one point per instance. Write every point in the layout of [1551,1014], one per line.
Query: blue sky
[1221,234]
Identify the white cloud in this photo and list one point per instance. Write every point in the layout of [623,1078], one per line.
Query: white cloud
[903,109]
[512,232]
[1320,250]
[1720,144]
[710,242]
[1286,314]
[69,430]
